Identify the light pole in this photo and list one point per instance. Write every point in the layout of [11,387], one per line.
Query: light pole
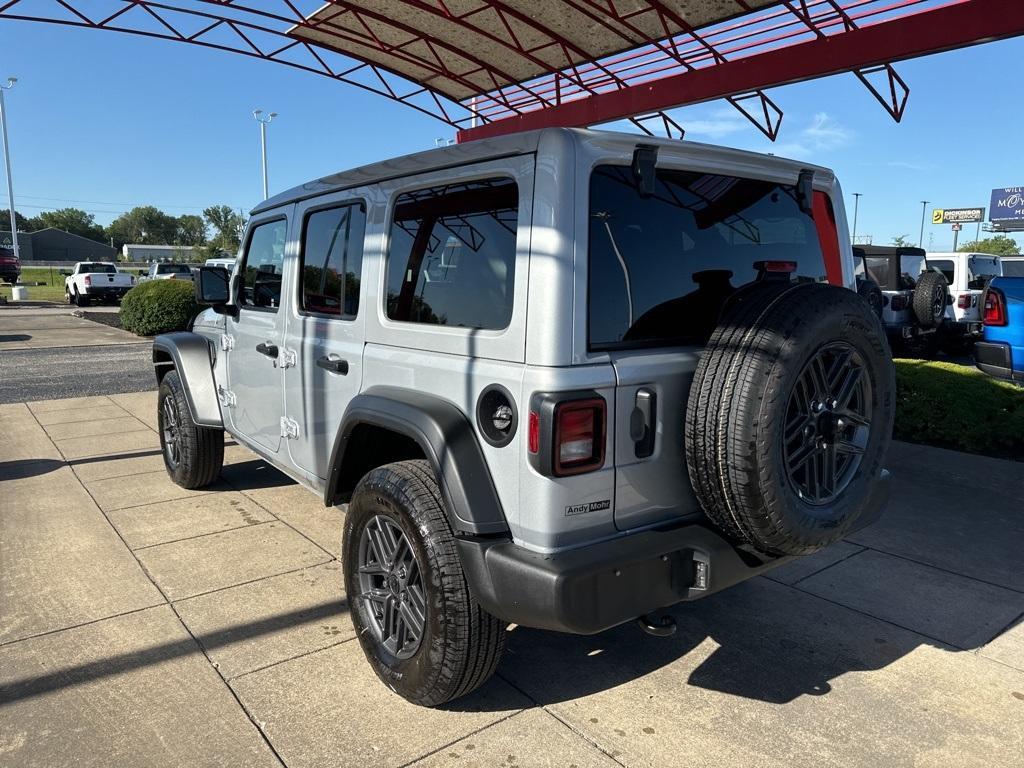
[856,210]
[264,121]
[924,207]
[7,161]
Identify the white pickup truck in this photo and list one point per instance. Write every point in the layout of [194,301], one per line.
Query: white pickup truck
[96,280]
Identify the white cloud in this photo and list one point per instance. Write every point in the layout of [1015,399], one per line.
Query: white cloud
[823,134]
[716,128]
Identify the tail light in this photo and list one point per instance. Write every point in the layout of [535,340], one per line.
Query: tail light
[963,301]
[898,303]
[566,433]
[995,307]
[579,436]
[87,280]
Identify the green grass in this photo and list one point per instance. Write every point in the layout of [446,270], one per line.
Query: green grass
[52,290]
[954,406]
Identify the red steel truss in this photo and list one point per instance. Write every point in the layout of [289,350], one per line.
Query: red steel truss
[489,67]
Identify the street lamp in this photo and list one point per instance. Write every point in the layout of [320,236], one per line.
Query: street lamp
[856,210]
[7,161]
[924,207]
[264,121]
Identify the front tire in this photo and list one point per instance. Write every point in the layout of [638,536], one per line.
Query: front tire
[421,630]
[193,455]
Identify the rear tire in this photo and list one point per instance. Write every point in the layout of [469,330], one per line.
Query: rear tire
[790,415]
[422,632]
[930,299]
[193,455]
[81,300]
[872,294]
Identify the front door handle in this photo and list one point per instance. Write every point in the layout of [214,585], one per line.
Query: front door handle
[333,364]
[270,350]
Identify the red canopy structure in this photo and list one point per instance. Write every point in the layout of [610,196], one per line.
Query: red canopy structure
[488,67]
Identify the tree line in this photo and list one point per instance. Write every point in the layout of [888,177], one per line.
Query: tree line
[218,230]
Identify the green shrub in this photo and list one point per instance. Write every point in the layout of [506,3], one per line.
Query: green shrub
[158,306]
[957,407]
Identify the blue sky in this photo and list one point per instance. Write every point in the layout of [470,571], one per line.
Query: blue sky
[104,121]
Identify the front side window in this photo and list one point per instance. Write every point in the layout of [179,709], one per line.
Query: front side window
[452,255]
[264,262]
[663,266]
[332,259]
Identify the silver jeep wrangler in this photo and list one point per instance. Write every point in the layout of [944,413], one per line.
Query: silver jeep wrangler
[563,379]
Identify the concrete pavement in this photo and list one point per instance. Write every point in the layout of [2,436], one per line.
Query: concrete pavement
[143,624]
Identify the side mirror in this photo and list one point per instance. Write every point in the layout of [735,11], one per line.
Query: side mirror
[212,287]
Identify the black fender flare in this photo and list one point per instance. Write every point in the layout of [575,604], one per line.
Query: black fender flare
[191,355]
[446,437]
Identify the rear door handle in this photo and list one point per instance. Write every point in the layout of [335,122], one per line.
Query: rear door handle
[333,364]
[270,350]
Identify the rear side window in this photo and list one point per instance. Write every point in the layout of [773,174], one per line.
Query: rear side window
[97,269]
[452,255]
[980,270]
[946,267]
[264,261]
[662,267]
[332,260]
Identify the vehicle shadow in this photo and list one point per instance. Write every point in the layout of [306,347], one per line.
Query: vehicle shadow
[761,640]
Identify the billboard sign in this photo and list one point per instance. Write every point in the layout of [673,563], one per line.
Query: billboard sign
[958,215]
[1007,204]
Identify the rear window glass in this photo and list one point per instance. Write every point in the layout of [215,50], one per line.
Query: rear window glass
[980,270]
[1013,268]
[662,267]
[452,255]
[97,269]
[169,269]
[911,267]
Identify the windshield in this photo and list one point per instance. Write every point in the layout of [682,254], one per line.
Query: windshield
[166,269]
[97,269]
[662,266]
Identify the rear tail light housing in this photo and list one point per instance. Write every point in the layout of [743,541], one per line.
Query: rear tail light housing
[898,303]
[963,301]
[567,432]
[995,307]
[87,280]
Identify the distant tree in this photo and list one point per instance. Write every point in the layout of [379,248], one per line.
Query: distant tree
[191,230]
[73,220]
[24,224]
[1000,245]
[902,241]
[144,225]
[227,225]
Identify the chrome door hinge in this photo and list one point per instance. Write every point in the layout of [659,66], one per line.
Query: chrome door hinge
[227,343]
[288,357]
[289,428]
[226,396]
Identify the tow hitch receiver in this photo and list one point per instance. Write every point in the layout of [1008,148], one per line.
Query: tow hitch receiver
[659,625]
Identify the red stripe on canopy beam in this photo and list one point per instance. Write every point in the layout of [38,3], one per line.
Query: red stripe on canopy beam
[959,25]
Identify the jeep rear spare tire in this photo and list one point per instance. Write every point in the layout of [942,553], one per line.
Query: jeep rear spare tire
[790,415]
[930,299]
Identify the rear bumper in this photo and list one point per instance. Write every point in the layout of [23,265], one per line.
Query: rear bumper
[896,331]
[996,359]
[968,328]
[106,291]
[588,590]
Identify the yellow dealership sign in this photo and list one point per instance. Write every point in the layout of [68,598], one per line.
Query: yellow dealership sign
[958,215]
